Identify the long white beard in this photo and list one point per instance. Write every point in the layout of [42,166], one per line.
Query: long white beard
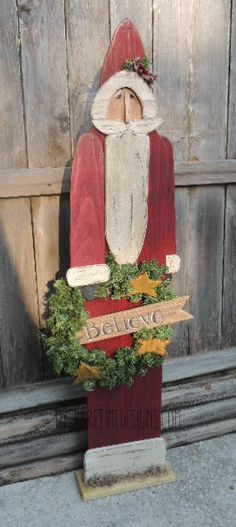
[126,194]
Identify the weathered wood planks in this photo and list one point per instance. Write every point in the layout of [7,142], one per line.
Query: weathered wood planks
[181,281]
[208,78]
[42,448]
[206,267]
[43,431]
[44,72]
[231,132]
[45,467]
[191,57]
[171,32]
[20,351]
[87,25]
[54,181]
[50,220]
[12,132]
[229,283]
[140,13]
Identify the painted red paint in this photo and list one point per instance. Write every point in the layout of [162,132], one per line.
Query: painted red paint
[126,413]
[126,44]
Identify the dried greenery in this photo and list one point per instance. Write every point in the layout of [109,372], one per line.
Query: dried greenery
[67,316]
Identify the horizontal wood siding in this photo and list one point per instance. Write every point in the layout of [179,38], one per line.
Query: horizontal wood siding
[51,56]
[43,427]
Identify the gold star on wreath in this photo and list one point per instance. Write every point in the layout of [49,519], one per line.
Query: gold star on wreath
[156,346]
[86,372]
[144,285]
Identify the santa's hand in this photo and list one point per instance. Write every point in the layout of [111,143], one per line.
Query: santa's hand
[87,275]
[173,263]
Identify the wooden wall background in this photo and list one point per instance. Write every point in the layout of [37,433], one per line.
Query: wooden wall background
[51,55]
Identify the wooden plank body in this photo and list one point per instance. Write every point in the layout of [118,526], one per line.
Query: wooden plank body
[127,413]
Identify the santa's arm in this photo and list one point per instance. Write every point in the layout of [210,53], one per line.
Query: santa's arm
[172,259]
[159,243]
[87,232]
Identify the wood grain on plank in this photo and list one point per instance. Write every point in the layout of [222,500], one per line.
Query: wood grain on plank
[203,364]
[60,464]
[200,414]
[181,281]
[206,267]
[229,284]
[208,78]
[42,31]
[172,32]
[48,181]
[198,391]
[199,433]
[48,393]
[20,350]
[40,394]
[44,422]
[12,133]
[38,469]
[231,132]
[189,64]
[87,23]
[70,415]
[42,448]
[51,237]
[141,15]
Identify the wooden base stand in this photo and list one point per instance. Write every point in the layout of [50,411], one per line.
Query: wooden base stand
[88,492]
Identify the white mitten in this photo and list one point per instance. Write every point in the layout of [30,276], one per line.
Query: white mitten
[173,263]
[87,275]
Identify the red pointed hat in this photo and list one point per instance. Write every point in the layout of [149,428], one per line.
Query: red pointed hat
[125,45]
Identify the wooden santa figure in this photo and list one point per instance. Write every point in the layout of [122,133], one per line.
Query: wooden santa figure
[122,201]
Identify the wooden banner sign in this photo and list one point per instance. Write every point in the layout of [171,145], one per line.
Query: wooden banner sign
[131,320]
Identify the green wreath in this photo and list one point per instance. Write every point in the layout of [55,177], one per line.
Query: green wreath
[67,316]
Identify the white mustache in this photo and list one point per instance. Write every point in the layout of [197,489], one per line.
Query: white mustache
[141,127]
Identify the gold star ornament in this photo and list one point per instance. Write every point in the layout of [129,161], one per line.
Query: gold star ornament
[144,285]
[86,372]
[156,346]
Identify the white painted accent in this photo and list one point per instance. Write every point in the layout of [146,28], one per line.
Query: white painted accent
[126,194]
[124,79]
[141,127]
[173,263]
[125,459]
[87,275]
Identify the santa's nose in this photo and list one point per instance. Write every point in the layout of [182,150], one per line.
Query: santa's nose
[124,106]
[132,107]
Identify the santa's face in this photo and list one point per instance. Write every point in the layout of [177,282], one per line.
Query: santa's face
[124,106]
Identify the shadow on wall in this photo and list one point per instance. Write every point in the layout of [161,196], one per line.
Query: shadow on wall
[20,350]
